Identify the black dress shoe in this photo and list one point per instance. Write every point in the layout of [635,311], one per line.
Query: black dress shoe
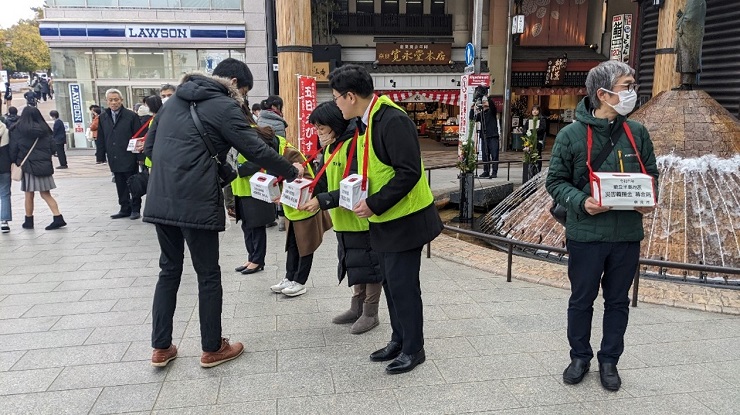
[575,371]
[120,215]
[389,352]
[248,271]
[135,215]
[406,362]
[240,268]
[609,375]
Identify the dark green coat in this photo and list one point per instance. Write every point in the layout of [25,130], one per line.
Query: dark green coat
[568,163]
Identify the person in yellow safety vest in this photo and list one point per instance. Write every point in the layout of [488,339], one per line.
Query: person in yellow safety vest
[254,214]
[304,233]
[154,103]
[356,258]
[399,206]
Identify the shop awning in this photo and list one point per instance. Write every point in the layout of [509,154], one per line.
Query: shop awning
[445,96]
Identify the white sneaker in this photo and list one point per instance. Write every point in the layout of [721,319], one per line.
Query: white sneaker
[4,227]
[294,289]
[278,288]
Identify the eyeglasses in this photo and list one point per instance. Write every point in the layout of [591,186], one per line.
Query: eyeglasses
[335,98]
[630,87]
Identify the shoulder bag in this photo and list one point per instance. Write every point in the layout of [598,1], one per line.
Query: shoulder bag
[226,173]
[560,212]
[16,171]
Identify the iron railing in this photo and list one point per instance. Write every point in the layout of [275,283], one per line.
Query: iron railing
[511,243]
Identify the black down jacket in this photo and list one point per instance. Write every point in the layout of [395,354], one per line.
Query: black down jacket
[39,161]
[183,183]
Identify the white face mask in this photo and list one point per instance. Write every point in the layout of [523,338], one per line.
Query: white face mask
[627,101]
[326,139]
[165,99]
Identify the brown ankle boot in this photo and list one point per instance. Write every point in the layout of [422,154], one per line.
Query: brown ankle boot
[351,315]
[368,321]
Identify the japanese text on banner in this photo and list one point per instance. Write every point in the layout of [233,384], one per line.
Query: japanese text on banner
[306,104]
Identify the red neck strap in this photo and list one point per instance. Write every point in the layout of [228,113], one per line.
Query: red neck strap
[590,142]
[327,162]
[146,125]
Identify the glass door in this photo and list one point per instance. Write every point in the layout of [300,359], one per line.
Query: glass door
[139,93]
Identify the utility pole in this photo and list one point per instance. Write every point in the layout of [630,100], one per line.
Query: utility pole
[477,33]
[295,56]
[506,113]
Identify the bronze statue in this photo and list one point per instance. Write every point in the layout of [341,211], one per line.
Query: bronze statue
[690,28]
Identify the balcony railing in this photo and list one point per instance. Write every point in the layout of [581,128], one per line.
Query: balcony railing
[393,24]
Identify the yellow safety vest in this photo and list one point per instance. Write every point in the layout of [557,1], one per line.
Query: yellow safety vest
[379,174]
[344,220]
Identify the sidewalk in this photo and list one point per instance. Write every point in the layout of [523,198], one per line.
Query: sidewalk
[75,327]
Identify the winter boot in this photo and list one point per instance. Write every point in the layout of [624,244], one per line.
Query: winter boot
[281,223]
[57,223]
[28,224]
[368,320]
[351,315]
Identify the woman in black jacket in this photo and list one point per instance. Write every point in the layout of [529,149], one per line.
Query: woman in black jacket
[30,139]
[356,258]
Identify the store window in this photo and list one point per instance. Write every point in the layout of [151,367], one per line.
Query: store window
[134,3]
[365,6]
[389,7]
[208,59]
[102,3]
[183,61]
[61,3]
[238,55]
[195,4]
[147,64]
[226,4]
[111,64]
[72,63]
[438,7]
[414,7]
[342,6]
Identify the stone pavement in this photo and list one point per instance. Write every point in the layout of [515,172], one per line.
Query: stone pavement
[75,327]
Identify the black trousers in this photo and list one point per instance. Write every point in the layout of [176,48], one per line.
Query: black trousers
[490,153]
[100,150]
[403,294]
[255,240]
[203,246]
[587,262]
[61,154]
[128,204]
[297,267]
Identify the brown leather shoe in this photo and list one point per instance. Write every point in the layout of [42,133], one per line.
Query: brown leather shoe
[160,357]
[224,354]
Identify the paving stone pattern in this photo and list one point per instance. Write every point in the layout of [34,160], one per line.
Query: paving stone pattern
[75,314]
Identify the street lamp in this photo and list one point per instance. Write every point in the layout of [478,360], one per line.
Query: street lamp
[7,45]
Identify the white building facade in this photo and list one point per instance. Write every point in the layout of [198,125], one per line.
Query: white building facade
[137,46]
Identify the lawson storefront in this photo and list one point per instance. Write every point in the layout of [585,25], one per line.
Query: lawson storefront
[136,58]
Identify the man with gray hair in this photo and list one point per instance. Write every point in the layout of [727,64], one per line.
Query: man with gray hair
[116,126]
[603,244]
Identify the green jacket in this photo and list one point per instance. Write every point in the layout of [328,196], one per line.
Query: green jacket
[568,164]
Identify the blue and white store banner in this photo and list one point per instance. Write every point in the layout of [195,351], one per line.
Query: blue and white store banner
[141,32]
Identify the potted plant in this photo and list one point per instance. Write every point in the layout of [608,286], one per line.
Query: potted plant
[467,162]
[531,156]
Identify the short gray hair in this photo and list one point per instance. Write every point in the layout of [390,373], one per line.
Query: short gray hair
[113,91]
[605,75]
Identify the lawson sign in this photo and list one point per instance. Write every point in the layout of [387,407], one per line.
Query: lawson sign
[77,33]
[78,115]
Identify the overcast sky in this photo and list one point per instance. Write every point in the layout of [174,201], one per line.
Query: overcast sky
[11,11]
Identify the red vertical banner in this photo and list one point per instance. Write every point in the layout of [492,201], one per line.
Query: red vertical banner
[306,104]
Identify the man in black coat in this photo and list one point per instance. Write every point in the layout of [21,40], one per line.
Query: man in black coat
[399,206]
[116,126]
[185,202]
[59,138]
[485,114]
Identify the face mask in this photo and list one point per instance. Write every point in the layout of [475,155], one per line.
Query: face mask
[627,101]
[165,100]
[325,140]
[143,110]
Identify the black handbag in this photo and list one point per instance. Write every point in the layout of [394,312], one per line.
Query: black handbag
[226,173]
[138,183]
[560,212]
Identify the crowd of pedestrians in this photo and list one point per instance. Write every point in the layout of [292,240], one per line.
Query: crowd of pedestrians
[204,142]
